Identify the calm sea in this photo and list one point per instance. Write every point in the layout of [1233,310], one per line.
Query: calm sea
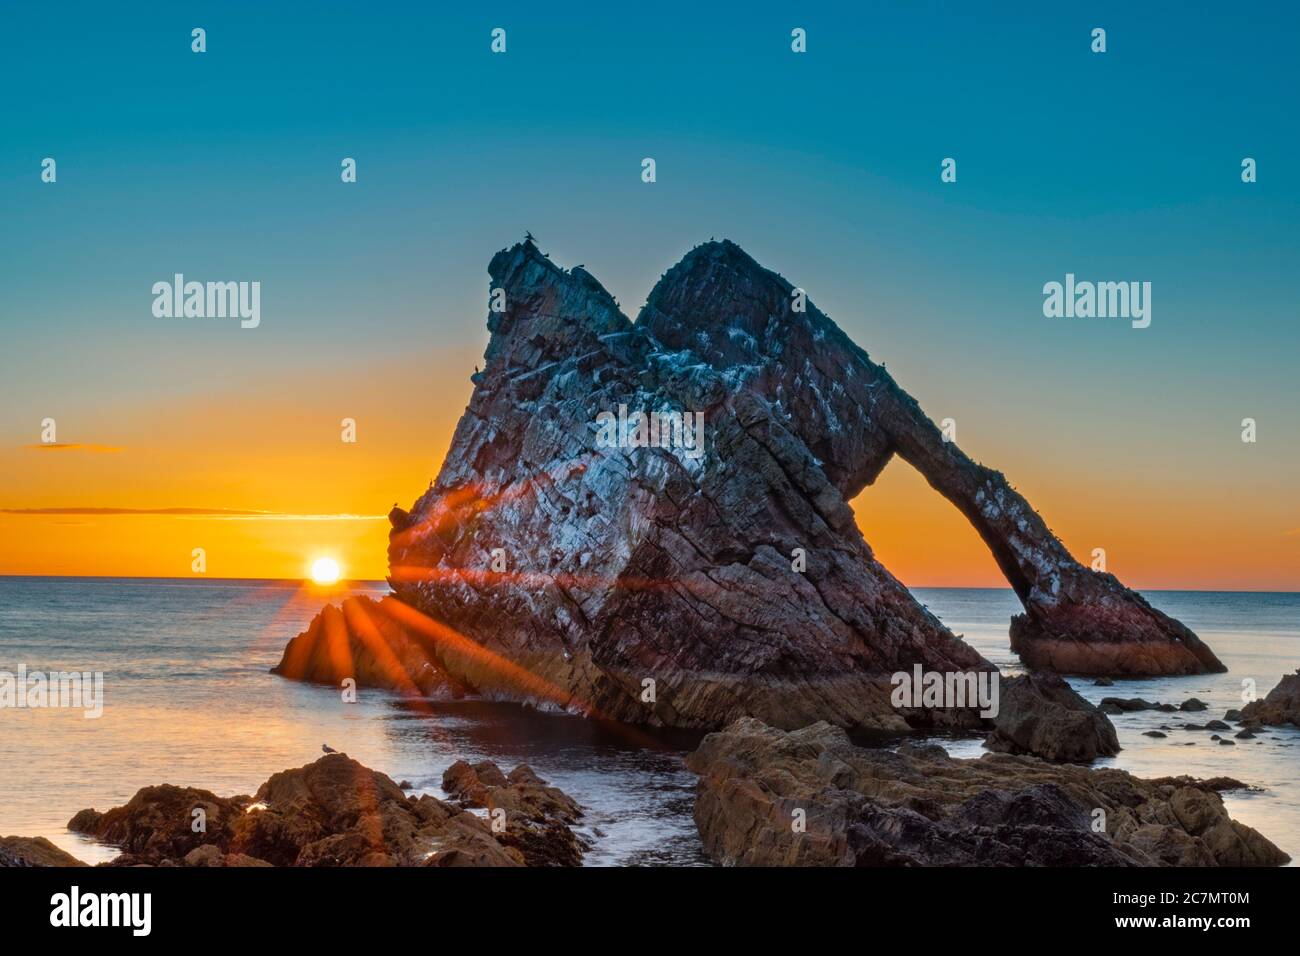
[189,701]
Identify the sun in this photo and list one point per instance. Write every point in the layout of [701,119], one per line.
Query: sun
[325,571]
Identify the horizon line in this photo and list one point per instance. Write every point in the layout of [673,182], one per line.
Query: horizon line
[384,582]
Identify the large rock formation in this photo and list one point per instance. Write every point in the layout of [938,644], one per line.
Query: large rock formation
[654,580]
[598,569]
[810,798]
[336,812]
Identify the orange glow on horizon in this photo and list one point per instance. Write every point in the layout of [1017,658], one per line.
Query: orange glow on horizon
[285,490]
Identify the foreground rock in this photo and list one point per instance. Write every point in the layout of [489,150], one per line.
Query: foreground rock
[158,823]
[366,641]
[918,807]
[1040,714]
[334,812]
[16,851]
[564,559]
[535,817]
[1280,707]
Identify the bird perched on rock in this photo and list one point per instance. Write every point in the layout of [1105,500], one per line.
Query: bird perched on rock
[326,748]
[528,237]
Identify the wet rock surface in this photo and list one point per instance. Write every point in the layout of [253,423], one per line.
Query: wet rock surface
[334,812]
[810,797]
[534,817]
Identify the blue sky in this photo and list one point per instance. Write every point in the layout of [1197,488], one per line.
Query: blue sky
[824,166]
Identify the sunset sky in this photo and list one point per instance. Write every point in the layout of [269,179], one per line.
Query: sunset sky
[823,166]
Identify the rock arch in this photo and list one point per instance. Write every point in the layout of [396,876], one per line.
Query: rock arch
[741,318]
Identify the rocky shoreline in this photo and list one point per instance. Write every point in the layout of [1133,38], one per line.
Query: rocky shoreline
[811,798]
[334,812]
[764,797]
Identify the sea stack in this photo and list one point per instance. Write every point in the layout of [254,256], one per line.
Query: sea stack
[646,583]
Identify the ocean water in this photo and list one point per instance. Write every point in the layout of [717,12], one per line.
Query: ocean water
[1257,637]
[188,700]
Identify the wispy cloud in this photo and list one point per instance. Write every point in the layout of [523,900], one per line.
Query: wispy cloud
[231,514]
[75,446]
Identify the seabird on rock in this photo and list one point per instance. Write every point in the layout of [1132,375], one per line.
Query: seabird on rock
[328,749]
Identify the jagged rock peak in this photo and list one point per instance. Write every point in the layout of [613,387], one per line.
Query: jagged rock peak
[718,302]
[568,308]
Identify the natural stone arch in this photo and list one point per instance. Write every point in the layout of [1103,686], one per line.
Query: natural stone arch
[742,318]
